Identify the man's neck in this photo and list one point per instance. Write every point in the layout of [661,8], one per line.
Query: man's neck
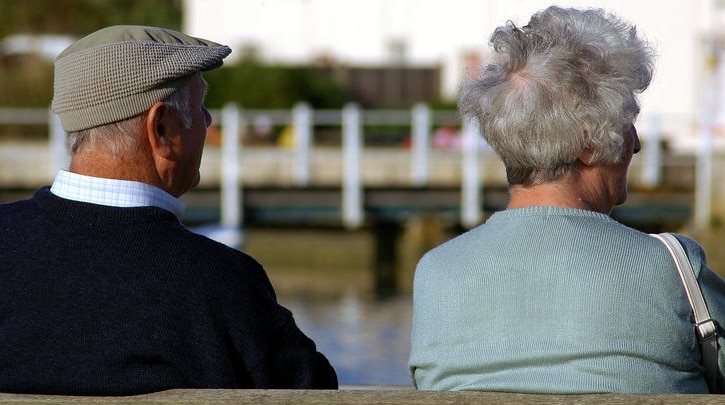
[107,166]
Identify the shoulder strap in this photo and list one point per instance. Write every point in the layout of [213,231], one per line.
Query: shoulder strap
[704,325]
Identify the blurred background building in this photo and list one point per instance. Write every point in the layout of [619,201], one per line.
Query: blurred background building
[449,38]
[378,53]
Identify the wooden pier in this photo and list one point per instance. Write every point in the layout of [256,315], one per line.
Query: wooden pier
[269,193]
[354,182]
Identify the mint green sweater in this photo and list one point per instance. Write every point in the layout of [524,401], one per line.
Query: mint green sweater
[556,300]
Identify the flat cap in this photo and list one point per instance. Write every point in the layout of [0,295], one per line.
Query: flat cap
[119,72]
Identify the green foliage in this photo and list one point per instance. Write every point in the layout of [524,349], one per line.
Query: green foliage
[443,104]
[80,17]
[26,84]
[264,86]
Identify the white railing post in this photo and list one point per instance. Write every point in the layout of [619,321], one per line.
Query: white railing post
[471,182]
[652,152]
[703,178]
[352,213]
[302,128]
[231,199]
[59,152]
[228,231]
[420,144]
[712,116]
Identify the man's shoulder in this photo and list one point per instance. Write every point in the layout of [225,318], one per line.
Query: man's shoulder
[206,251]
[13,210]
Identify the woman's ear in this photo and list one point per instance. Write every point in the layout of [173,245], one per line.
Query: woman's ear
[159,130]
[586,154]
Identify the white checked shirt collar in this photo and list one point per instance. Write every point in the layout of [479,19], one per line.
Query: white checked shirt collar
[114,193]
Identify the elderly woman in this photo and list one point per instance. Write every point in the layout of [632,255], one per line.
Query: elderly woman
[552,295]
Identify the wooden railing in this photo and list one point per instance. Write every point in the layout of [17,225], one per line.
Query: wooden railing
[414,163]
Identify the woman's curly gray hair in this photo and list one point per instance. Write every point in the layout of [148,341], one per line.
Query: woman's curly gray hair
[565,82]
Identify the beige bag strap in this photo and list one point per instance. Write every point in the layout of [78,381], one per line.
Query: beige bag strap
[704,325]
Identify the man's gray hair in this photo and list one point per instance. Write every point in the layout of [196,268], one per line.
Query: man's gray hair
[565,82]
[124,137]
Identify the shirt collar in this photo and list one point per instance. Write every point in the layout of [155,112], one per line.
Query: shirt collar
[113,193]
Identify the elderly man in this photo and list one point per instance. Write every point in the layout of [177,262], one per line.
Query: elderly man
[104,290]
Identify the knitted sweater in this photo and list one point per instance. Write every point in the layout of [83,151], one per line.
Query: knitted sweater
[100,300]
[555,300]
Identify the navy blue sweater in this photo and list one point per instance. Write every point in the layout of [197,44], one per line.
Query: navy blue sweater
[99,300]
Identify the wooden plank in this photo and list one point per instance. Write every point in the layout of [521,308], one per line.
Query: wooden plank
[360,397]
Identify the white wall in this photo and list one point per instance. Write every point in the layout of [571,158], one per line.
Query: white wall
[443,32]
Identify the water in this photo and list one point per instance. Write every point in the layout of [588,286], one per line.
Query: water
[712,240]
[366,339]
[325,278]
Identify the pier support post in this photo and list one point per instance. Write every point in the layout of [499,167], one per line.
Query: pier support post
[352,204]
[703,180]
[302,124]
[385,265]
[231,213]
[471,198]
[420,124]
[59,153]
[229,231]
[652,152]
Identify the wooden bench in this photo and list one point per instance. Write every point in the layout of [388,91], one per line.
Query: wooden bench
[359,397]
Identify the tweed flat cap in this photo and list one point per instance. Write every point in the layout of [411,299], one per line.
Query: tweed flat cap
[121,71]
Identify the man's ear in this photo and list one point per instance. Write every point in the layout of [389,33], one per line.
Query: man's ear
[159,130]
